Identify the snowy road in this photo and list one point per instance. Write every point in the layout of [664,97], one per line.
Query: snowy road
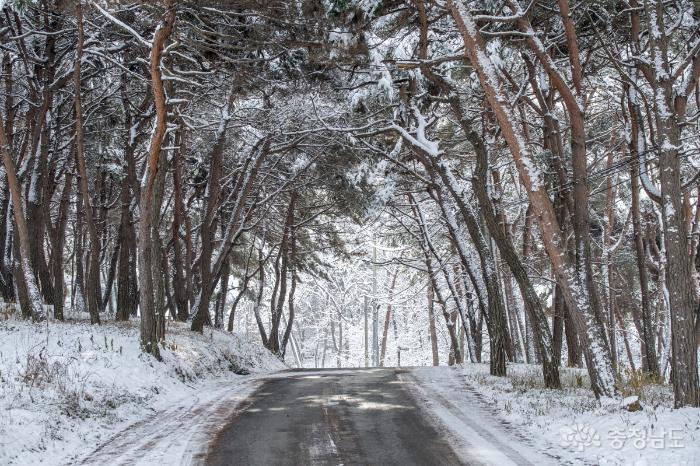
[421,416]
[363,416]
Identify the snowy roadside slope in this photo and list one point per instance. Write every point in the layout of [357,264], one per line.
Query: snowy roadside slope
[568,426]
[67,389]
[477,434]
[180,434]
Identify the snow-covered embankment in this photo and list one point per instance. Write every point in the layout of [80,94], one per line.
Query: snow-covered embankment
[498,418]
[68,389]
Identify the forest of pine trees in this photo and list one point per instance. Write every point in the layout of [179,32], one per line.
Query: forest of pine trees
[534,164]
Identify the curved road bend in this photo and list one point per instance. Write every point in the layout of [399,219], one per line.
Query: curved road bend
[331,417]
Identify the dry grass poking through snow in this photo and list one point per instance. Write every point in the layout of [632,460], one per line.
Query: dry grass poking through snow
[64,388]
[584,430]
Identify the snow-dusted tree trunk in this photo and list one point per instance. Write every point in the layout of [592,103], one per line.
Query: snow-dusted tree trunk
[669,106]
[127,283]
[424,242]
[387,317]
[32,306]
[260,292]
[208,226]
[179,282]
[146,252]
[290,301]
[431,324]
[496,323]
[232,231]
[533,305]
[58,236]
[606,267]
[479,182]
[649,359]
[277,302]
[574,290]
[93,272]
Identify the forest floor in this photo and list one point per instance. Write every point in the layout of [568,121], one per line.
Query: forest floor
[568,425]
[69,389]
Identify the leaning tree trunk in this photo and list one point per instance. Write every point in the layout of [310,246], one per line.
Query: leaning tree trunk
[496,322]
[500,343]
[26,284]
[427,249]
[574,289]
[533,305]
[146,253]
[259,294]
[243,289]
[234,228]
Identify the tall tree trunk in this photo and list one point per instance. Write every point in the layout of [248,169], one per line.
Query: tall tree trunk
[606,268]
[179,282]
[146,253]
[93,282]
[668,109]
[292,289]
[273,342]
[495,317]
[387,318]
[58,239]
[431,325]
[234,228]
[533,306]
[159,274]
[207,229]
[259,294]
[6,282]
[221,299]
[26,284]
[649,359]
[127,284]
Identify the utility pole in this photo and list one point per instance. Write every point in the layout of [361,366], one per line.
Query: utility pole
[366,333]
[375,310]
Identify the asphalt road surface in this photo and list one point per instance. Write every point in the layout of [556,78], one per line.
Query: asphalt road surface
[332,417]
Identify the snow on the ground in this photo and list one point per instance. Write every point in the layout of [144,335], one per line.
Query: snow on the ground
[568,425]
[69,389]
